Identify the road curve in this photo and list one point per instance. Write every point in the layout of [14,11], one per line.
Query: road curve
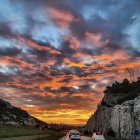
[82,138]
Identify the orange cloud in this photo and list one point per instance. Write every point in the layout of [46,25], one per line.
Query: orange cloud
[41,48]
[62,18]
[4,60]
[96,39]
[74,42]
[73,64]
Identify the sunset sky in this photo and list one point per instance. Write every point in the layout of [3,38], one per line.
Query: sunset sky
[57,56]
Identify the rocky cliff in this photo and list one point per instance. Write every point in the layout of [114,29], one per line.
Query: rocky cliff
[16,116]
[119,112]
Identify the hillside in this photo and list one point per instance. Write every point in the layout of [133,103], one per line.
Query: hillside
[119,112]
[16,116]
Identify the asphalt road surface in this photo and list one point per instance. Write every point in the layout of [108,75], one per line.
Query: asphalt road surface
[82,138]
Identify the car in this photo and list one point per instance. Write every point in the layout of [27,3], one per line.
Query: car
[98,136]
[74,135]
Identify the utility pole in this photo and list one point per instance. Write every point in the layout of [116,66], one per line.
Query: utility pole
[138,63]
[131,72]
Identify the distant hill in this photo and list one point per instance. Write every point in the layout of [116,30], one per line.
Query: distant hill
[119,112]
[15,116]
[11,115]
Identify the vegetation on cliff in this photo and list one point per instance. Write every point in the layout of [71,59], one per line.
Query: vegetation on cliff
[121,92]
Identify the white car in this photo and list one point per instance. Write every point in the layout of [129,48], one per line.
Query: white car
[98,136]
[74,135]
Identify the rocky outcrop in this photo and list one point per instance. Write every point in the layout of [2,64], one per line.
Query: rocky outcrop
[115,118]
[16,116]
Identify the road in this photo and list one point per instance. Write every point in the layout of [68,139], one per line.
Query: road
[82,138]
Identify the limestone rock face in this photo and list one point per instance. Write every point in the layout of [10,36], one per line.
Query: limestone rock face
[118,119]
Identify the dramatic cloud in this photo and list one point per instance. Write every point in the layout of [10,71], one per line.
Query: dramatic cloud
[56,57]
